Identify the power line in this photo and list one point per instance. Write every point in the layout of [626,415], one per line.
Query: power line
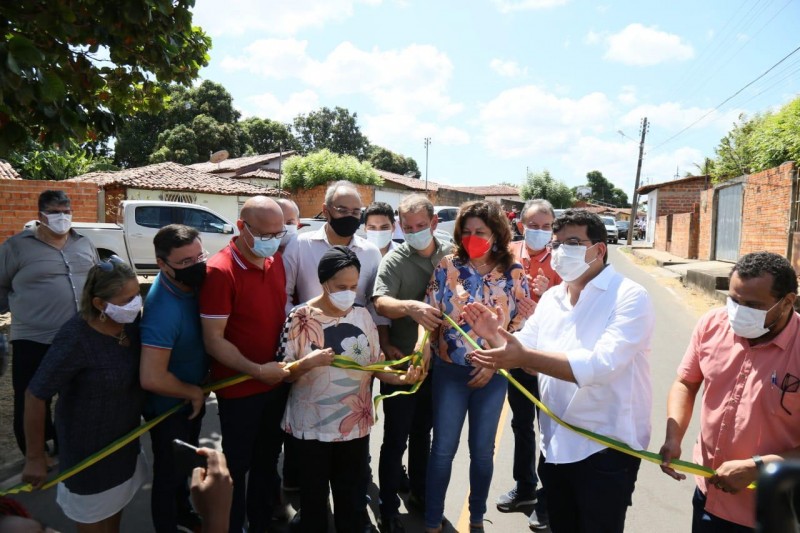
[728,99]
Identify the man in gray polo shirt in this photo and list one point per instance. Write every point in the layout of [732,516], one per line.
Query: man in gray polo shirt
[42,273]
[400,286]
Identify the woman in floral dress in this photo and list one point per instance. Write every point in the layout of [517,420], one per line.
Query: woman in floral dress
[482,269]
[329,412]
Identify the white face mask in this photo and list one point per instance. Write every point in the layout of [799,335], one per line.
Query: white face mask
[124,314]
[419,240]
[748,322]
[59,223]
[379,238]
[537,239]
[342,300]
[291,231]
[569,261]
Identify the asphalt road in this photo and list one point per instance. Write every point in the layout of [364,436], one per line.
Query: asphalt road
[659,504]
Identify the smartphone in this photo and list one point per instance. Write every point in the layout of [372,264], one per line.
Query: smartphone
[186,456]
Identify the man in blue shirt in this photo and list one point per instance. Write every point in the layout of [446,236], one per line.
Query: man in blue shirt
[173,367]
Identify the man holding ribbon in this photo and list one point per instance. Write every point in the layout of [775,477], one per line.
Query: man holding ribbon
[589,342]
[747,356]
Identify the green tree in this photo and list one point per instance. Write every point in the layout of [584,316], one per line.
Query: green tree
[776,138]
[72,69]
[335,129]
[384,159]
[735,155]
[605,191]
[178,144]
[319,168]
[543,185]
[57,163]
[267,136]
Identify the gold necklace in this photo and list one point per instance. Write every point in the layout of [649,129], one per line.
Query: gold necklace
[122,338]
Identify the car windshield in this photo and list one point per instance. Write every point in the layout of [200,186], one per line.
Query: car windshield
[608,221]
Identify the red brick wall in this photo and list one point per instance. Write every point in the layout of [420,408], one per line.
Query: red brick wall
[684,235]
[705,221]
[680,197]
[766,209]
[19,198]
[662,236]
[310,200]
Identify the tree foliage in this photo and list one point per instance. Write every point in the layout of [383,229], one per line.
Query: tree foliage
[39,163]
[335,129]
[605,191]
[735,153]
[72,68]
[385,159]
[267,136]
[319,168]
[542,185]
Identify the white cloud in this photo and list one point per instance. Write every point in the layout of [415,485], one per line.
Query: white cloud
[593,37]
[673,116]
[413,79]
[639,45]
[268,105]
[509,6]
[389,128]
[628,95]
[508,69]
[530,121]
[223,17]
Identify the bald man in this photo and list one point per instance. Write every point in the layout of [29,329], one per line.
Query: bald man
[291,220]
[242,305]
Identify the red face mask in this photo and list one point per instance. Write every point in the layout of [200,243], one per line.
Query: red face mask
[475,246]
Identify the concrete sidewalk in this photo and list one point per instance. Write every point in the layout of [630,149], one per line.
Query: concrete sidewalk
[708,276]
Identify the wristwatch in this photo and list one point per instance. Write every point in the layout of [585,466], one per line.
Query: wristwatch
[759,462]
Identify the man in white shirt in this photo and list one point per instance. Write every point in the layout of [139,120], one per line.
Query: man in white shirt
[291,220]
[589,341]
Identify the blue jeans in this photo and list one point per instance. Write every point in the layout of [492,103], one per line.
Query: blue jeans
[452,402]
[704,522]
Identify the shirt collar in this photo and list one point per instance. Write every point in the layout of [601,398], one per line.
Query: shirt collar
[172,288]
[321,235]
[241,261]
[603,279]
[788,333]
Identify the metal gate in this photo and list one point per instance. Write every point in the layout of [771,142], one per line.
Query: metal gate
[729,223]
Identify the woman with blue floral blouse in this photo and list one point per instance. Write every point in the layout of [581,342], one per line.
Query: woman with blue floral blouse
[482,269]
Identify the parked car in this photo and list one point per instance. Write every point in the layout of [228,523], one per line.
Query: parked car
[611,229]
[131,237]
[447,218]
[622,228]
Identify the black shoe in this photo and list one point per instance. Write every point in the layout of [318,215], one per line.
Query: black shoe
[405,484]
[392,524]
[415,503]
[539,519]
[369,527]
[513,499]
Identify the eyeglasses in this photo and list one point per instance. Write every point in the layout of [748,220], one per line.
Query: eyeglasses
[790,383]
[190,261]
[347,212]
[108,264]
[553,245]
[266,236]
[57,211]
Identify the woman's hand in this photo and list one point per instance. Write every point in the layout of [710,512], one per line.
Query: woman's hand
[319,357]
[525,307]
[480,377]
[484,322]
[412,375]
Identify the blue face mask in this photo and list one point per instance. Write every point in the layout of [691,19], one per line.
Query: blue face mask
[264,247]
[537,239]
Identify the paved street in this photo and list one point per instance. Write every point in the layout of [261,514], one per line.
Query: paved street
[660,504]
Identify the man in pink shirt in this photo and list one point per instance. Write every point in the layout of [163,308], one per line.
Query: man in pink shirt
[747,357]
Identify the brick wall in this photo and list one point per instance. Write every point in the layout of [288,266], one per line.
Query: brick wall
[662,236]
[310,200]
[766,209]
[704,225]
[455,198]
[684,239]
[680,197]
[19,202]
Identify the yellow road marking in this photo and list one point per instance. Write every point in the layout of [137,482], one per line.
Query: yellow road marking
[463,519]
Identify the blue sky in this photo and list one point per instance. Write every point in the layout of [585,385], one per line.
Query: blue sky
[505,85]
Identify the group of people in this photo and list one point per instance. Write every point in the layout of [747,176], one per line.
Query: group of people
[283,307]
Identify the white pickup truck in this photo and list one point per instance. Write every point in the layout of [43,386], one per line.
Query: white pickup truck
[131,238]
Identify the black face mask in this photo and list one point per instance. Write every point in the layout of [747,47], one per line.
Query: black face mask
[192,276]
[345,226]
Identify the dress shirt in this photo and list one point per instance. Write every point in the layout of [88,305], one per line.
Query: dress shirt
[741,413]
[532,263]
[301,259]
[606,338]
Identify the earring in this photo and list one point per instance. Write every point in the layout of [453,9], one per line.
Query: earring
[494,247]
[102,316]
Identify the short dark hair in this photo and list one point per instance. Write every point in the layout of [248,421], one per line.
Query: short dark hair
[380,209]
[490,213]
[595,229]
[756,264]
[51,197]
[173,236]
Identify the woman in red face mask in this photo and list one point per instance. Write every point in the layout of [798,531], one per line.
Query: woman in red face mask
[482,269]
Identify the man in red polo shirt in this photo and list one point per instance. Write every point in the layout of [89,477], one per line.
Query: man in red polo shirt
[535,223]
[242,309]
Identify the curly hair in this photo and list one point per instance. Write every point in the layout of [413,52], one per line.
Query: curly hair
[756,264]
[491,215]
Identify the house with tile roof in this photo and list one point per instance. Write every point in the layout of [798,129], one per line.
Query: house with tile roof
[176,183]
[7,172]
[261,169]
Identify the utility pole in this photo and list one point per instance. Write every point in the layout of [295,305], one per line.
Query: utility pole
[635,204]
[427,145]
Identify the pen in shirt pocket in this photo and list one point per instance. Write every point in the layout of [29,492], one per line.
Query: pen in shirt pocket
[774,378]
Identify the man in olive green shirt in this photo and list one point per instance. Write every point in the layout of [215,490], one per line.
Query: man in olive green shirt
[400,286]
